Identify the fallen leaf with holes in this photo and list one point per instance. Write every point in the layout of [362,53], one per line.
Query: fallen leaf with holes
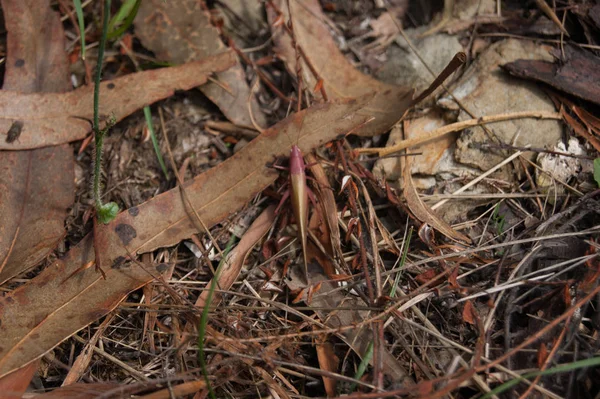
[58,118]
[66,297]
[180,31]
[36,186]
[340,78]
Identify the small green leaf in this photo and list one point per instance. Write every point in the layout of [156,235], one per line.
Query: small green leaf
[597,171]
[107,212]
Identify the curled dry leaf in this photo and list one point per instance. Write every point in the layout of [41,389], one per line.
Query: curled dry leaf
[236,257]
[37,186]
[424,213]
[341,79]
[180,31]
[58,118]
[51,307]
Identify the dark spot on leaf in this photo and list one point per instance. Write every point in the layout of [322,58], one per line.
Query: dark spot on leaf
[125,232]
[119,262]
[20,62]
[134,211]
[162,267]
[35,336]
[110,86]
[10,300]
[14,132]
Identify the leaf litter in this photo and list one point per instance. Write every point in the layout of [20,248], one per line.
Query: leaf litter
[447,299]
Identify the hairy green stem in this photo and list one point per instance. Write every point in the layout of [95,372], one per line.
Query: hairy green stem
[98,133]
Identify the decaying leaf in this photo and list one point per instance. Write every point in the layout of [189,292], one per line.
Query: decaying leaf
[51,307]
[180,31]
[341,79]
[58,118]
[37,186]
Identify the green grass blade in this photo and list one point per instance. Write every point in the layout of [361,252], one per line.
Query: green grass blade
[563,368]
[362,367]
[128,11]
[79,12]
[204,318]
[148,116]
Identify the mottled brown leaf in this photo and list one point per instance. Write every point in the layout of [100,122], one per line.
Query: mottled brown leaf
[179,31]
[50,119]
[341,79]
[51,307]
[36,186]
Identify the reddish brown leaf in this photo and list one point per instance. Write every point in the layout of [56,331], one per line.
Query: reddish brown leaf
[13,385]
[180,31]
[50,119]
[468,313]
[327,361]
[340,78]
[426,276]
[49,308]
[542,355]
[36,187]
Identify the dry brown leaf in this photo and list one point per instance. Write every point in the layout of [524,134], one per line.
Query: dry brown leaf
[58,118]
[37,186]
[468,313]
[341,79]
[328,361]
[423,213]
[13,385]
[235,260]
[51,307]
[180,31]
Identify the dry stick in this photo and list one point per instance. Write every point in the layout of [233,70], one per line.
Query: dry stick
[479,178]
[298,63]
[84,358]
[458,60]
[416,52]
[547,360]
[181,187]
[455,127]
[300,50]
[550,14]
[567,314]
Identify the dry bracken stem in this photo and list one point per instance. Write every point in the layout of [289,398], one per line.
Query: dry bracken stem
[455,127]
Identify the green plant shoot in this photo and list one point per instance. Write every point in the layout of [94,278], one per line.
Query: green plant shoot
[104,212]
